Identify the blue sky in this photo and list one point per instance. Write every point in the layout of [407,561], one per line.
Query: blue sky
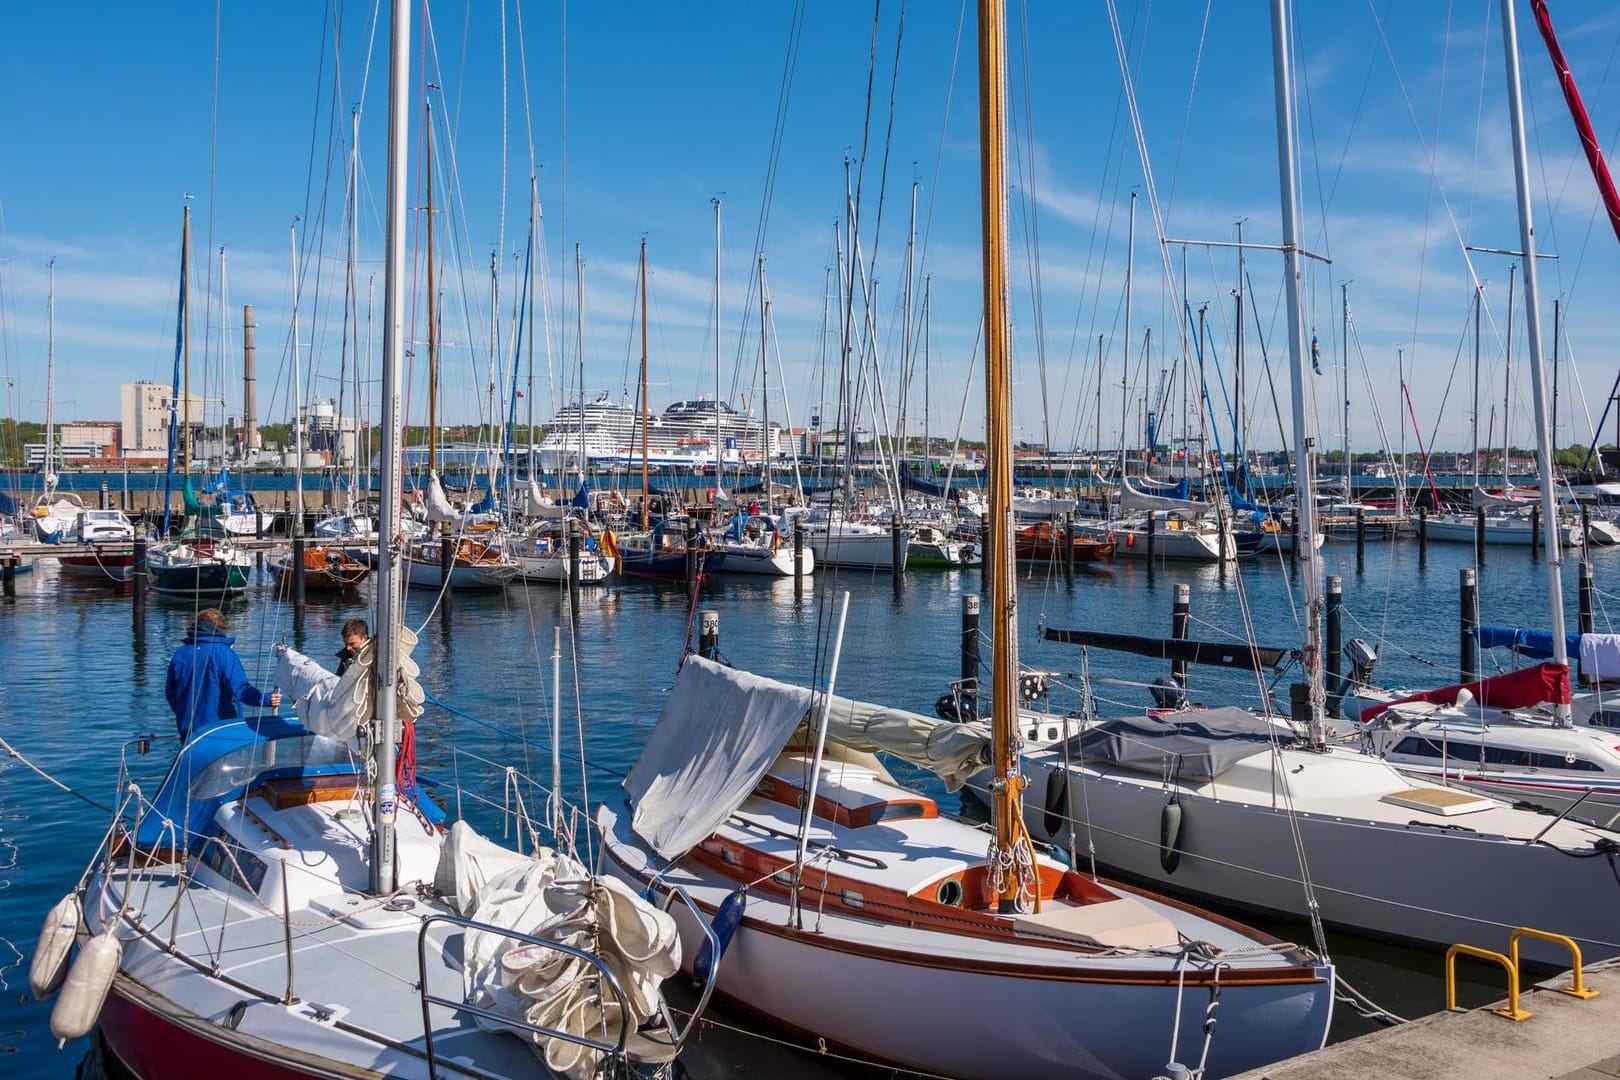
[641,114]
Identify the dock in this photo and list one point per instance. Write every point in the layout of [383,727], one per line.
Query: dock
[1564,1039]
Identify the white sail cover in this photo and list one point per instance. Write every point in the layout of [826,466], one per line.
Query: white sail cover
[334,705]
[722,728]
[1132,499]
[1507,500]
[437,504]
[537,503]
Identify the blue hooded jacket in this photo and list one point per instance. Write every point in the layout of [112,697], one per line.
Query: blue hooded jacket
[206,680]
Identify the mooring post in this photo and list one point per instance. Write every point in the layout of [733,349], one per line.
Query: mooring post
[970,647]
[1361,536]
[1293,538]
[798,548]
[1586,526]
[1152,528]
[1423,536]
[575,540]
[1586,623]
[1470,619]
[138,572]
[709,634]
[106,496]
[8,576]
[1479,536]
[1535,531]
[1068,548]
[897,546]
[1180,622]
[446,560]
[298,569]
[1332,663]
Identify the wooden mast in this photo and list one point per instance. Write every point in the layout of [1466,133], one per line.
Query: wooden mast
[1011,855]
[646,486]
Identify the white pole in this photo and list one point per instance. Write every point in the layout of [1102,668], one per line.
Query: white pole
[815,760]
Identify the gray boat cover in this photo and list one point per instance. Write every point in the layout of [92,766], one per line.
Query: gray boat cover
[721,730]
[1196,746]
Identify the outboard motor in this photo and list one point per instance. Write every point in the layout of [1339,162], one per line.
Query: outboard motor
[1168,694]
[1362,657]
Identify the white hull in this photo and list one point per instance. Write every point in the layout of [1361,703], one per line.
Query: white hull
[855,983]
[1183,545]
[431,576]
[847,545]
[755,559]
[1462,529]
[554,568]
[1375,869]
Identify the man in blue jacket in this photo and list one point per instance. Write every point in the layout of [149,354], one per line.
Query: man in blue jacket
[206,678]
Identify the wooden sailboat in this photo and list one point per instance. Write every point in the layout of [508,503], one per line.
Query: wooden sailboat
[860,913]
[289,905]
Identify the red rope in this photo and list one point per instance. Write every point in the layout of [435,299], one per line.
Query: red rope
[405,767]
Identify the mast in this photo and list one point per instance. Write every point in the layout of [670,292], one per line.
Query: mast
[352,315]
[1010,845]
[579,349]
[49,464]
[765,379]
[1125,374]
[534,243]
[646,485]
[298,388]
[389,606]
[185,384]
[1240,430]
[1304,483]
[1507,381]
[1479,302]
[928,319]
[1344,355]
[719,442]
[432,299]
[1532,314]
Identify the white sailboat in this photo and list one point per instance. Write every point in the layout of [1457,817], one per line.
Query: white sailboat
[288,905]
[1227,804]
[859,908]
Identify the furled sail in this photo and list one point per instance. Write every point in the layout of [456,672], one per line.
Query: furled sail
[437,503]
[336,705]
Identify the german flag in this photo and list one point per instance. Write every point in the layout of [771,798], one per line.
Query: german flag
[610,545]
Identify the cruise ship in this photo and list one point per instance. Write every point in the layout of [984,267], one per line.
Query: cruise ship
[683,436]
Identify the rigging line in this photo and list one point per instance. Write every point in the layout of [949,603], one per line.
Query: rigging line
[944,126]
[13,752]
[1192,92]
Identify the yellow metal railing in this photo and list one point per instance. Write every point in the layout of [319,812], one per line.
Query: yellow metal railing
[1577,988]
[1512,1011]
[1510,963]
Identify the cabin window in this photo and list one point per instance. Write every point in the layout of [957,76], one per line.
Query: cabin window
[1417,746]
[949,892]
[224,856]
[895,811]
[1609,718]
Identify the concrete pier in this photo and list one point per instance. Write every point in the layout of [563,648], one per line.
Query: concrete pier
[1564,1039]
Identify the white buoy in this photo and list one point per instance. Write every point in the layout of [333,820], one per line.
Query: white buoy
[50,961]
[79,1005]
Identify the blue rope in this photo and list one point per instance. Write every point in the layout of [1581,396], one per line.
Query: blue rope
[453,711]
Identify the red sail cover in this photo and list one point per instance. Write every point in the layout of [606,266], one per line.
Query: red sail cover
[1577,112]
[1515,690]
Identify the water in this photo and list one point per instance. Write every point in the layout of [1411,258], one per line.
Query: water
[82,675]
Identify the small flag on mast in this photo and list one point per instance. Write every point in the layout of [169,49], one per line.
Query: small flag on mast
[1316,353]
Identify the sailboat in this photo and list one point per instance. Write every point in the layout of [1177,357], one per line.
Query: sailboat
[195,565]
[859,908]
[288,904]
[1260,811]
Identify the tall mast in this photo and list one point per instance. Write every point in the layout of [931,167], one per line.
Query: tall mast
[928,318]
[49,464]
[579,348]
[718,441]
[298,387]
[1532,317]
[765,378]
[534,246]
[1304,483]
[432,301]
[185,377]
[1010,845]
[1507,380]
[907,359]
[646,485]
[1479,302]
[1344,355]
[1125,375]
[352,315]
[389,606]
[1241,434]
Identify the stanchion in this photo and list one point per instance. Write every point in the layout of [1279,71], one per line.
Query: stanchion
[1361,536]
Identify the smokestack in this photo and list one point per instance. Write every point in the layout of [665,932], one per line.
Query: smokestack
[250,426]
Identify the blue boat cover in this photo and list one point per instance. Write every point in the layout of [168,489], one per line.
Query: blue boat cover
[1537,644]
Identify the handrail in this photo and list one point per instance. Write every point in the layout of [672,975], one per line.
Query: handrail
[714,954]
[457,1004]
[1577,988]
[1512,1010]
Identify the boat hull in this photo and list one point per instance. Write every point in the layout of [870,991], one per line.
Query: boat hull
[154,1046]
[1432,883]
[109,566]
[200,580]
[1048,1020]
[1453,529]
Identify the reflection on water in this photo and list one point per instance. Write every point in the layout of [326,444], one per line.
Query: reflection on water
[82,675]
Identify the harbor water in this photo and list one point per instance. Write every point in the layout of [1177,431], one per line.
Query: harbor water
[83,674]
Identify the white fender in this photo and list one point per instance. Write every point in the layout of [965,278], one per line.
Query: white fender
[79,1005]
[49,966]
